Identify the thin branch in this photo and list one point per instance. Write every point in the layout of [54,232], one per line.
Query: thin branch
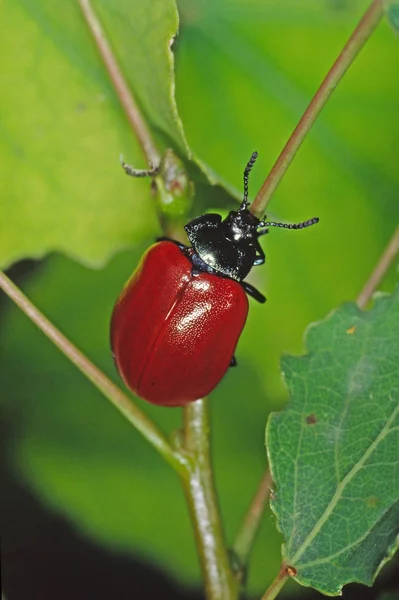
[202,501]
[279,582]
[356,42]
[122,402]
[122,89]
[381,268]
[250,526]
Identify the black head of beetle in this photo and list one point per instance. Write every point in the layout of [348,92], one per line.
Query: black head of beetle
[230,247]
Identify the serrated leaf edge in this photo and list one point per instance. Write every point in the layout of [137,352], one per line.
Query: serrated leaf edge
[377,297]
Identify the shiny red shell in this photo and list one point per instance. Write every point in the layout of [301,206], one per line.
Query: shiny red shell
[173,334]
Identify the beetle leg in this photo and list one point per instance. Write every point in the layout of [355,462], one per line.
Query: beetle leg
[259,260]
[253,292]
[233,362]
[165,238]
[260,255]
[129,170]
[262,232]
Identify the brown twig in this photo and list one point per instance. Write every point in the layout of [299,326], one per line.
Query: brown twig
[356,42]
[137,418]
[379,271]
[123,91]
[279,582]
[250,526]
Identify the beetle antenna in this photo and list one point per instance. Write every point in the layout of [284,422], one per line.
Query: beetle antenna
[247,170]
[302,225]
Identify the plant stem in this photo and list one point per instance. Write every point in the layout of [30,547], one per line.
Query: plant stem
[356,42]
[379,271]
[201,497]
[278,583]
[120,400]
[129,104]
[250,526]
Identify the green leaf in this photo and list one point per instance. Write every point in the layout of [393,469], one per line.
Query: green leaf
[142,39]
[334,451]
[63,128]
[392,11]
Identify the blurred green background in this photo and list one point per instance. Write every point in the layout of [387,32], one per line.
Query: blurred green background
[245,71]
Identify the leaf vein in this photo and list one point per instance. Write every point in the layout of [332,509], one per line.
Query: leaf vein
[341,486]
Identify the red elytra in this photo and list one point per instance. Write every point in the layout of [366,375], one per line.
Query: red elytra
[174,333]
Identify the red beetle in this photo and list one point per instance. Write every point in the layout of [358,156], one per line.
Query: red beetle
[174,332]
[176,324]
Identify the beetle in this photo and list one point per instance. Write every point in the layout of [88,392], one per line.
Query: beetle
[176,324]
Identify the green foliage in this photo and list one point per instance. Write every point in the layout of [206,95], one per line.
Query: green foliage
[333,451]
[86,462]
[245,72]
[63,128]
[142,39]
[392,10]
